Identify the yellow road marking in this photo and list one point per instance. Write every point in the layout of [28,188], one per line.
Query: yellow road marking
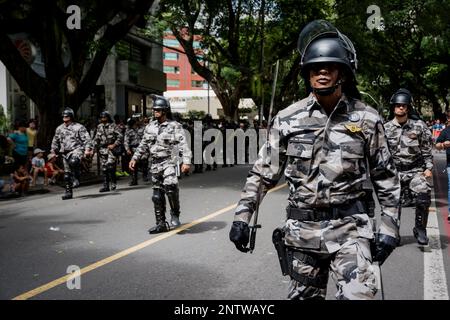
[126,252]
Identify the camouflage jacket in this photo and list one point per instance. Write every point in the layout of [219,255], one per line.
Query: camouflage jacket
[159,142]
[107,134]
[71,137]
[133,137]
[327,159]
[410,144]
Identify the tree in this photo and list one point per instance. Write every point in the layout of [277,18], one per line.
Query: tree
[411,49]
[74,48]
[243,39]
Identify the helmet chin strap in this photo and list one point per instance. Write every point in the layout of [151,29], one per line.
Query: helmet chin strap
[327,91]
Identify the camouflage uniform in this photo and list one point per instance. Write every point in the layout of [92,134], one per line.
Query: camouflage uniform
[327,160]
[71,141]
[161,142]
[133,137]
[106,134]
[411,148]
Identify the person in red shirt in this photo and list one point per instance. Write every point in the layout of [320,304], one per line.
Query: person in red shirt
[53,171]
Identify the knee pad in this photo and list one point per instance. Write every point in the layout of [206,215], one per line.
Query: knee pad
[172,188]
[67,177]
[158,196]
[424,199]
[74,162]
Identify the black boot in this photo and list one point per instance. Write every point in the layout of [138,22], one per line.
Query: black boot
[68,194]
[173,195]
[112,174]
[159,201]
[422,211]
[134,178]
[105,187]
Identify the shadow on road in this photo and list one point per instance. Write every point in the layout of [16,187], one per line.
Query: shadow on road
[98,195]
[205,227]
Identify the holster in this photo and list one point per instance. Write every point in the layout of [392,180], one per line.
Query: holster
[370,202]
[278,242]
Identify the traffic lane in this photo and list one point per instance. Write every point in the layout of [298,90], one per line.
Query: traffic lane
[93,226]
[199,263]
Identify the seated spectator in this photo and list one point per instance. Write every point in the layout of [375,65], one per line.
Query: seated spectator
[53,171]
[38,165]
[21,180]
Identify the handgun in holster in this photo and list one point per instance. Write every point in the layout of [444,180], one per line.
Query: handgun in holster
[370,202]
[278,242]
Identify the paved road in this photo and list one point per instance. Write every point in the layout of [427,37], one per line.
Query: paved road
[41,236]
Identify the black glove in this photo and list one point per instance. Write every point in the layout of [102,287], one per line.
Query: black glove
[240,234]
[382,247]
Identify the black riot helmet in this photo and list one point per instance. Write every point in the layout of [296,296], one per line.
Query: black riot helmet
[402,96]
[107,115]
[68,112]
[131,122]
[160,103]
[321,42]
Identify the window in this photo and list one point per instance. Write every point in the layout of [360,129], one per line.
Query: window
[170,56]
[172,69]
[173,83]
[197,83]
[171,42]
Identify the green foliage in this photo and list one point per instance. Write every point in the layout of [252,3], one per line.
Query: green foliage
[5,123]
[194,115]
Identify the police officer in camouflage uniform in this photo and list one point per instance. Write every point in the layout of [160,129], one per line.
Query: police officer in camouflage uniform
[72,141]
[163,138]
[410,143]
[108,139]
[133,136]
[327,143]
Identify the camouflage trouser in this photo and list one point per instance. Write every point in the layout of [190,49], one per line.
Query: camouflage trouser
[71,157]
[107,159]
[351,269]
[416,181]
[341,246]
[164,176]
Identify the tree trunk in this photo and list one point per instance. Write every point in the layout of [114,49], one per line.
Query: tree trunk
[49,119]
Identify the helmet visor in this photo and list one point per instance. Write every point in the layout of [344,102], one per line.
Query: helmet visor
[323,29]
[313,30]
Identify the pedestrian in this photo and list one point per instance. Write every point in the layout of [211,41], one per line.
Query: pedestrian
[31,135]
[160,140]
[443,143]
[72,141]
[410,143]
[328,144]
[108,141]
[38,166]
[437,129]
[19,140]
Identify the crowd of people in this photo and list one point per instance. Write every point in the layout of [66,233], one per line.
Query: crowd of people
[23,162]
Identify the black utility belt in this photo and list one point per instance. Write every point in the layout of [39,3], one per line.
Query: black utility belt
[159,160]
[408,167]
[332,213]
